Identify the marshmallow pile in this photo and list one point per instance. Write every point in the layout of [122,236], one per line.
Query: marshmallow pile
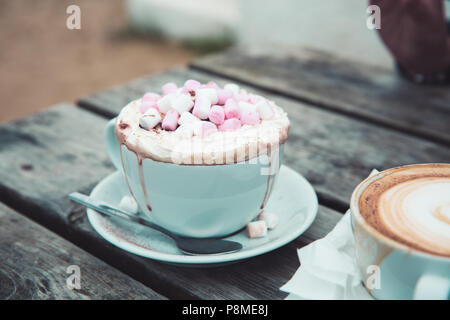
[258,228]
[202,109]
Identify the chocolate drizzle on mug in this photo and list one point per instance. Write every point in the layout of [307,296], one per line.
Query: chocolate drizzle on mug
[141,178]
[124,172]
[141,174]
[273,164]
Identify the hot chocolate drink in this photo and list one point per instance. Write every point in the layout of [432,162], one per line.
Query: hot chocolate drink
[411,205]
[201,160]
[202,124]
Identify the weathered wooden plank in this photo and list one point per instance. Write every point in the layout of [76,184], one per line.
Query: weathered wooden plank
[331,150]
[34,264]
[256,278]
[372,93]
[110,102]
[48,155]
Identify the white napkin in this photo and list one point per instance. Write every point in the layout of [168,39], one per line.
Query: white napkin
[328,269]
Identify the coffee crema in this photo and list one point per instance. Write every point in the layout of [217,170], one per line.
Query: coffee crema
[411,205]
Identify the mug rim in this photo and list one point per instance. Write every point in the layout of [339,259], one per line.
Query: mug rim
[355,213]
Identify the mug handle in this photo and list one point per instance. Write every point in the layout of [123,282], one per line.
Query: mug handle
[432,287]
[112,145]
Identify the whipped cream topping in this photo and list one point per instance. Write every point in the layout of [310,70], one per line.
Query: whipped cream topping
[220,147]
[418,212]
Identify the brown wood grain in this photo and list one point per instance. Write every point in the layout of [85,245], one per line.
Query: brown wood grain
[34,264]
[333,151]
[353,88]
[48,155]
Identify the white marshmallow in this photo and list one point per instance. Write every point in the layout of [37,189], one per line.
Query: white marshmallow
[204,128]
[150,119]
[264,109]
[187,117]
[270,219]
[210,93]
[185,130]
[182,103]
[232,87]
[128,204]
[202,107]
[166,102]
[256,229]
[246,107]
[152,112]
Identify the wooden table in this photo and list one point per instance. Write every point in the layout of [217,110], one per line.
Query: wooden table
[346,118]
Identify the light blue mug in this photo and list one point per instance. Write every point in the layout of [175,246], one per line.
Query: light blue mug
[199,201]
[391,270]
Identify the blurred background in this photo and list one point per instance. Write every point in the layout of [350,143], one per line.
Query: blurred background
[42,62]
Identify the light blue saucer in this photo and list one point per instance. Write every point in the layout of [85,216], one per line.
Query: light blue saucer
[293,199]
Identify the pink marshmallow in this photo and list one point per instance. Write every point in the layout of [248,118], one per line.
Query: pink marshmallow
[205,129]
[230,125]
[254,99]
[223,95]
[170,121]
[212,84]
[233,87]
[169,87]
[145,105]
[250,118]
[264,109]
[217,115]
[184,90]
[150,96]
[192,85]
[232,109]
[256,229]
[242,97]
[246,107]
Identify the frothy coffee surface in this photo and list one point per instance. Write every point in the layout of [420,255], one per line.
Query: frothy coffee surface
[411,205]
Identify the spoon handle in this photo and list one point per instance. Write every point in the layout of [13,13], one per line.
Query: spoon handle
[115,212]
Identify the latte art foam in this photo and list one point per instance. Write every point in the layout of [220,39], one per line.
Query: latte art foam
[409,211]
[413,208]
